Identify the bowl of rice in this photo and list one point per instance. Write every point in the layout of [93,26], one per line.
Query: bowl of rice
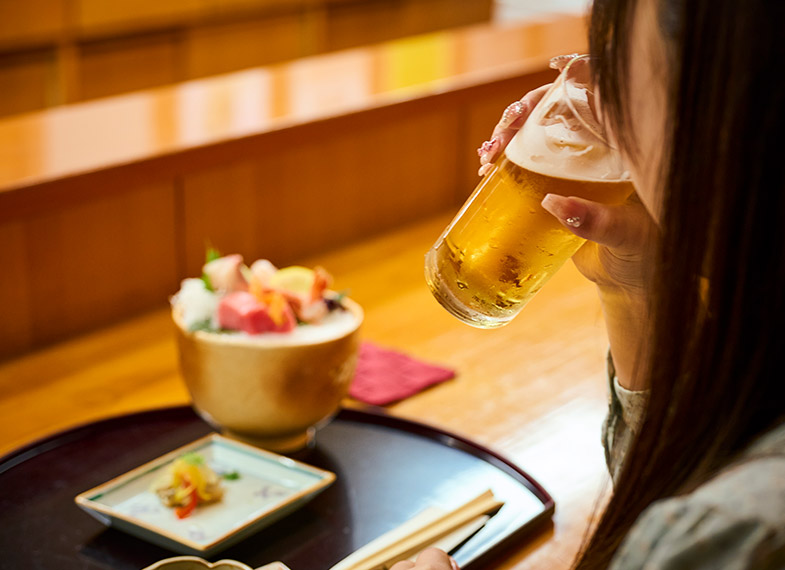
[266,354]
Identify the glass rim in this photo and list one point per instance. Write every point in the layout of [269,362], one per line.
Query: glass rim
[600,136]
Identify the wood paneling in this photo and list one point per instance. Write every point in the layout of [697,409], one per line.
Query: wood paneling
[108,204]
[223,7]
[15,322]
[27,81]
[100,16]
[332,187]
[214,195]
[214,49]
[553,39]
[417,15]
[110,67]
[355,23]
[87,265]
[350,24]
[31,21]
[64,51]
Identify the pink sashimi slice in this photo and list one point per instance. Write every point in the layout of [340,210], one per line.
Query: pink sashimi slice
[225,273]
[242,311]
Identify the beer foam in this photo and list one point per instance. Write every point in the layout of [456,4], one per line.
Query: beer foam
[555,140]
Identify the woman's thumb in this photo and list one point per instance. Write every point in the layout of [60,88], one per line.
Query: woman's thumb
[619,227]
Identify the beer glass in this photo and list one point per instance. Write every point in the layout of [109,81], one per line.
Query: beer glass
[503,246]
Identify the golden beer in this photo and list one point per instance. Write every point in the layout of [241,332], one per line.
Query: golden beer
[503,246]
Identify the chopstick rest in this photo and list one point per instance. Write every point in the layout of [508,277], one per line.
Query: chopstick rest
[432,527]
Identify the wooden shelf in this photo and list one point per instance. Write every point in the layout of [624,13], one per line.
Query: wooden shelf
[96,48]
[106,205]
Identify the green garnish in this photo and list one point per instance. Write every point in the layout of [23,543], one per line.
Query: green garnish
[231,476]
[205,325]
[341,295]
[210,254]
[193,458]
[336,301]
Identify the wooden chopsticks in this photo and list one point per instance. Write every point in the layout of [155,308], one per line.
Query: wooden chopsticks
[420,532]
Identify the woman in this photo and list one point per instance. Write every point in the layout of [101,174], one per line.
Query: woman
[693,92]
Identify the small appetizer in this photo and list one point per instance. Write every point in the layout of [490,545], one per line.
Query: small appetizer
[188,483]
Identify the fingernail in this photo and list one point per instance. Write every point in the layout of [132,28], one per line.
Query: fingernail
[484,169]
[512,113]
[487,146]
[485,158]
[555,205]
[548,202]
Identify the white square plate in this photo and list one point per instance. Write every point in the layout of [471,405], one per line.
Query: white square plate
[269,487]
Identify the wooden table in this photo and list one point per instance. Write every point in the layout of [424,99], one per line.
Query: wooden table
[533,391]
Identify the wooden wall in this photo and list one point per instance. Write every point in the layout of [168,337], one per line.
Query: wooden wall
[88,250]
[61,51]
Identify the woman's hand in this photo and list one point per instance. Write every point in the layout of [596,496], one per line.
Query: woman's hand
[619,248]
[620,234]
[429,559]
[512,120]
[616,257]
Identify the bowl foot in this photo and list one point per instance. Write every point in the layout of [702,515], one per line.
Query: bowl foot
[286,444]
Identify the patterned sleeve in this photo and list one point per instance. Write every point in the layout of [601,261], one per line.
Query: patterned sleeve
[625,416]
[735,522]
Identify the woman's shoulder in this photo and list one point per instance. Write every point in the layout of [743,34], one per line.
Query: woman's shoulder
[735,520]
[754,486]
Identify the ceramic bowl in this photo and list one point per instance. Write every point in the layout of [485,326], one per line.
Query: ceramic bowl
[270,391]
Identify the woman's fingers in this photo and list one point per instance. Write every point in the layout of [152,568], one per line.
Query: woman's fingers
[620,238]
[512,120]
[623,227]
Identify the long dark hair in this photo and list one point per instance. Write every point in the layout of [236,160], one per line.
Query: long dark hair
[718,293]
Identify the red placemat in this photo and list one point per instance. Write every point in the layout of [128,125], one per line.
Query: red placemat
[385,376]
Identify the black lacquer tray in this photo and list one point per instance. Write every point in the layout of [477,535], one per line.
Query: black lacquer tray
[388,470]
